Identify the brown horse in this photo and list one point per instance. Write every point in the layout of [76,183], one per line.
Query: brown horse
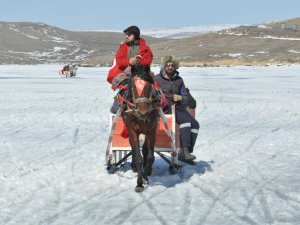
[141,117]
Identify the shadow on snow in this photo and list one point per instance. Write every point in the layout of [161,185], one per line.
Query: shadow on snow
[162,176]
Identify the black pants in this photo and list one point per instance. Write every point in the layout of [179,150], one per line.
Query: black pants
[188,129]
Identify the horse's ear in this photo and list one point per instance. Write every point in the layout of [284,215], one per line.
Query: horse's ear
[147,69]
[133,70]
[140,69]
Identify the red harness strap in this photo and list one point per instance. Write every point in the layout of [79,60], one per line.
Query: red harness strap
[139,85]
[121,98]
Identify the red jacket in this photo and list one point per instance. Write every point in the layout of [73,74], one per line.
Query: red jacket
[121,61]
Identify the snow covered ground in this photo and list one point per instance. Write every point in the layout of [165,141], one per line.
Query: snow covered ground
[54,132]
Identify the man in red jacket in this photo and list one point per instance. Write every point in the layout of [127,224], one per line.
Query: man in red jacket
[134,50]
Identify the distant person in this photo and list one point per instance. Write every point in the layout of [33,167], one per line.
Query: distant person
[133,51]
[172,86]
[66,68]
[73,70]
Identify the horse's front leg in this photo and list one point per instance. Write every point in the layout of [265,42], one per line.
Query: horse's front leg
[145,151]
[148,152]
[137,159]
[145,158]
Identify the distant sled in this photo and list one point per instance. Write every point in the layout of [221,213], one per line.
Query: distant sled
[68,70]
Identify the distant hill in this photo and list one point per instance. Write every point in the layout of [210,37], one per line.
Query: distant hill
[259,44]
[183,32]
[264,44]
[30,43]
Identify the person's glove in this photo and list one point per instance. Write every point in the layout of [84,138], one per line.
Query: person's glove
[177,98]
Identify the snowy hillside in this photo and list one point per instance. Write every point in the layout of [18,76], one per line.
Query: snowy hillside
[54,132]
[35,42]
[31,43]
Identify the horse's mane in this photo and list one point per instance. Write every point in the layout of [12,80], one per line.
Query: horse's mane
[143,72]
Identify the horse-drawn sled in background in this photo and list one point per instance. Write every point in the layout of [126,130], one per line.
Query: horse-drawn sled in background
[69,70]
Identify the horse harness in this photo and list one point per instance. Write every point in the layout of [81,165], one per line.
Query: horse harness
[132,107]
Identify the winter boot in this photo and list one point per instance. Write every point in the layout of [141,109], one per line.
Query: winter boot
[185,156]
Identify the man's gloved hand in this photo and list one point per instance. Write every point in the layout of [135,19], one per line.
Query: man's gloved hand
[177,98]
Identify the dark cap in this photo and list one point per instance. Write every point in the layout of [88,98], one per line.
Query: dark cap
[133,30]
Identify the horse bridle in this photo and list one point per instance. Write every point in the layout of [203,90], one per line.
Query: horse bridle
[133,107]
[142,100]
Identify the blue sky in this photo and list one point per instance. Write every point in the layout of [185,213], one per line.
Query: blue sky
[117,14]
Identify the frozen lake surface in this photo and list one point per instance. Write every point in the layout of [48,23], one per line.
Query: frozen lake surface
[54,132]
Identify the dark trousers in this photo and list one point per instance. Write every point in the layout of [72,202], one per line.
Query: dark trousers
[188,129]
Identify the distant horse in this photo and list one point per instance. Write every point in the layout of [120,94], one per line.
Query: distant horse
[141,117]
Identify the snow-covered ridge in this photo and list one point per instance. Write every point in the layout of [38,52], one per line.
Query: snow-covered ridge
[294,51]
[177,32]
[182,32]
[277,38]
[27,35]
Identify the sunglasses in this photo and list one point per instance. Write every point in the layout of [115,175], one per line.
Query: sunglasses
[170,65]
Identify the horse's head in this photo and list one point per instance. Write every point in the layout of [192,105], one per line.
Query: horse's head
[142,88]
